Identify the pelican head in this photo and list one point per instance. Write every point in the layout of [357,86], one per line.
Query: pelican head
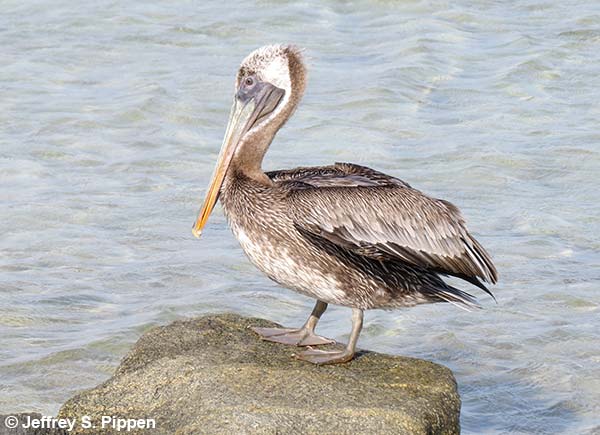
[268,87]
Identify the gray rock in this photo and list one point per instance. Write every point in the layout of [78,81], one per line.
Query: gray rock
[214,376]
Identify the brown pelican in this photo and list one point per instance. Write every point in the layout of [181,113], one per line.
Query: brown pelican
[342,234]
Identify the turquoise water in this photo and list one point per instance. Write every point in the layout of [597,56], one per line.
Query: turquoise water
[111,117]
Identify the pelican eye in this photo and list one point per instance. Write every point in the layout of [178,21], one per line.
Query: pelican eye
[249,82]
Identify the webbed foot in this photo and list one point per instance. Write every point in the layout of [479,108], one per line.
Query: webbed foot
[294,337]
[322,357]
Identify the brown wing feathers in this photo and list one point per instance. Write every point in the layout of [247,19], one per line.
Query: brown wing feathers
[386,219]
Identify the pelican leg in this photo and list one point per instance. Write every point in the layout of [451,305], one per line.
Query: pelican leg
[304,336]
[320,357]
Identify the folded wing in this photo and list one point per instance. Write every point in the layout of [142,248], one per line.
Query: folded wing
[382,217]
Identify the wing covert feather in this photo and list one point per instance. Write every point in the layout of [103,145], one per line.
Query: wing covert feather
[392,221]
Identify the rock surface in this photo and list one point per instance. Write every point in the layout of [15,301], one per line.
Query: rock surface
[212,375]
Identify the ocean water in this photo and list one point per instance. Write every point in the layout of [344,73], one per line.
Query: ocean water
[111,117]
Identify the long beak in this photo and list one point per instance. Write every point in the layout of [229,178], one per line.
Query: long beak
[245,112]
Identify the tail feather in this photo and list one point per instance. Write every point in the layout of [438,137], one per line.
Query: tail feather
[473,280]
[457,297]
